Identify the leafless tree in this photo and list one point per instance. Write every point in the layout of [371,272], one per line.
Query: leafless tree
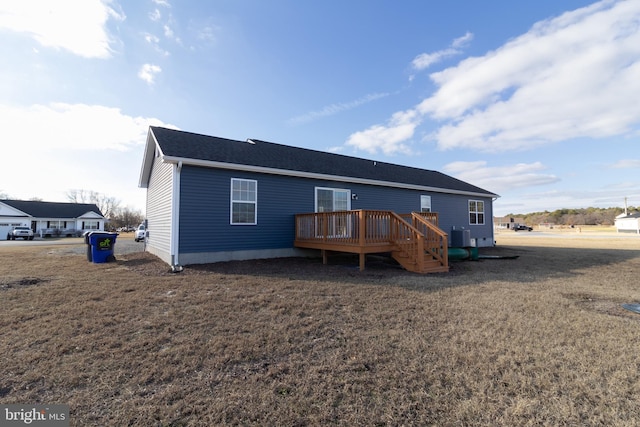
[126,217]
[107,205]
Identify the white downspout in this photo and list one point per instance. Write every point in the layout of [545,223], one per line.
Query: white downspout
[175,220]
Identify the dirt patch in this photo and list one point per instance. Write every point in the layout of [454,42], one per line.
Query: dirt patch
[12,283]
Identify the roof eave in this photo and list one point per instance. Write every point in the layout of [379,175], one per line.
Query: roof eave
[147,160]
[313,175]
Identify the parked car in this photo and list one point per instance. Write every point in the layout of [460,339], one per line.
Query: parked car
[25,232]
[140,233]
[522,227]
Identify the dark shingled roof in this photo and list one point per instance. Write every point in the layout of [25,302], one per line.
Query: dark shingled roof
[39,209]
[187,145]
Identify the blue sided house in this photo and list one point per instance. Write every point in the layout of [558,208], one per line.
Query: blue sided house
[212,199]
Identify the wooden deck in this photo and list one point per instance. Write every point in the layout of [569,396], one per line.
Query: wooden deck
[414,240]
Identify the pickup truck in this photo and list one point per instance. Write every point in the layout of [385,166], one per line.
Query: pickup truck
[25,232]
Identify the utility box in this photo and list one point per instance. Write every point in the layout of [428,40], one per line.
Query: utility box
[460,238]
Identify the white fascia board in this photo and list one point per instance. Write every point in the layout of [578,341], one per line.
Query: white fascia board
[91,214]
[147,160]
[312,175]
[10,211]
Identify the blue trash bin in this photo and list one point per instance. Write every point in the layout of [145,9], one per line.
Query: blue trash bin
[102,245]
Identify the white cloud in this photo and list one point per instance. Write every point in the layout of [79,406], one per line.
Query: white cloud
[425,60]
[60,127]
[332,109]
[155,16]
[154,41]
[208,33]
[151,39]
[148,73]
[501,178]
[568,77]
[528,202]
[78,26]
[462,41]
[388,139]
[626,164]
[74,146]
[168,32]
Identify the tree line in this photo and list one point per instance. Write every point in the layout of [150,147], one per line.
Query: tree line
[585,216]
[116,215]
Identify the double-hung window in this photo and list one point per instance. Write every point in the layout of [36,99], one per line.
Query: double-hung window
[244,201]
[476,212]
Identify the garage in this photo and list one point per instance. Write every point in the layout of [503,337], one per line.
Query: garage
[11,217]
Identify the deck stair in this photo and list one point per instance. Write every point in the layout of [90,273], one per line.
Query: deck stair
[414,240]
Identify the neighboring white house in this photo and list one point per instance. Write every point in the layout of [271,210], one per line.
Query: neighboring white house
[628,222]
[49,219]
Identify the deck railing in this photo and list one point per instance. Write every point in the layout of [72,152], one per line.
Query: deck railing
[358,227]
[368,231]
[436,242]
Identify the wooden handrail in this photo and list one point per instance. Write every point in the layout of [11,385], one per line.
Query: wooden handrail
[436,240]
[409,240]
[368,231]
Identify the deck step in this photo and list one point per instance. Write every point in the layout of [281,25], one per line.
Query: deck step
[409,263]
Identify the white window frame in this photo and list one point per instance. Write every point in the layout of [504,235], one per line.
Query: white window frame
[333,190]
[425,203]
[91,225]
[476,213]
[253,202]
[337,228]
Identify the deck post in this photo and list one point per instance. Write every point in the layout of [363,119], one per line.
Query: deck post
[362,229]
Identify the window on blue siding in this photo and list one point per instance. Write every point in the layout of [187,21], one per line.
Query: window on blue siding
[332,199]
[476,212]
[244,201]
[425,203]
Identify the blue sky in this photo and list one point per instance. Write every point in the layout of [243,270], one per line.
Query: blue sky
[534,101]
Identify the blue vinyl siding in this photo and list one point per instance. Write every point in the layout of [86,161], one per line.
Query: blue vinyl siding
[452,209]
[205,209]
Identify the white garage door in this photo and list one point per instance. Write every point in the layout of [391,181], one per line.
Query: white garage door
[7,224]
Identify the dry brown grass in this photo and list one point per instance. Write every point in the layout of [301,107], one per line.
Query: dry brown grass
[539,340]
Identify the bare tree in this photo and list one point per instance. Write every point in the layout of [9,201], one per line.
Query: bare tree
[107,205]
[126,217]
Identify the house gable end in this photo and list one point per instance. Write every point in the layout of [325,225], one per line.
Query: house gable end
[90,215]
[9,211]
